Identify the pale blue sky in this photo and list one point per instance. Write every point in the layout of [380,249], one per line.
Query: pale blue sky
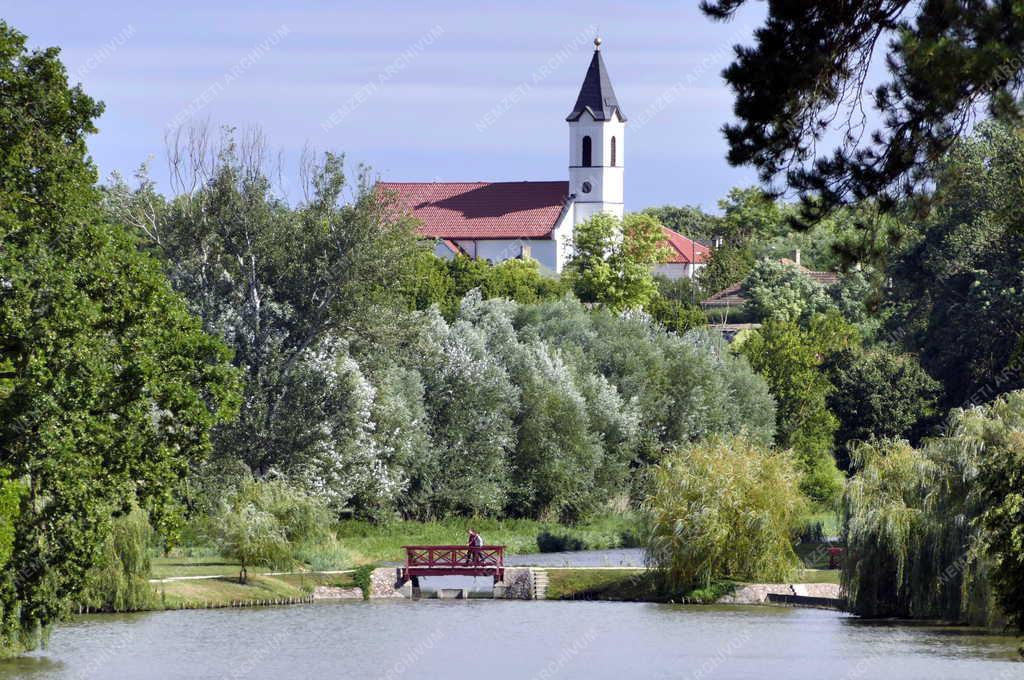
[481,92]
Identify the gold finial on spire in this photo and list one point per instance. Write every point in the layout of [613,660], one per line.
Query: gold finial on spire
[597,42]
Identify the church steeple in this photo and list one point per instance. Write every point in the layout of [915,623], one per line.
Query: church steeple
[597,96]
[597,129]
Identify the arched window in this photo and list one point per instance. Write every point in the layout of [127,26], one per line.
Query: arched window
[613,152]
[586,151]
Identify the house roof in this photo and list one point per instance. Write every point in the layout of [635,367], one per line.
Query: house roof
[596,95]
[481,210]
[684,250]
[733,296]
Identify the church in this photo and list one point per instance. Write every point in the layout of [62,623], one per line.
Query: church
[498,221]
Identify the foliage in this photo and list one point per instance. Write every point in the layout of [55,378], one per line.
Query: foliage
[780,291]
[997,431]
[612,259]
[675,305]
[789,358]
[725,507]
[681,388]
[362,578]
[913,546]
[688,220]
[935,532]
[119,580]
[956,295]
[109,387]
[263,522]
[878,394]
[444,283]
[296,292]
[728,264]
[809,69]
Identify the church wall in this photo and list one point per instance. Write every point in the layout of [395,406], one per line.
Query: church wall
[499,250]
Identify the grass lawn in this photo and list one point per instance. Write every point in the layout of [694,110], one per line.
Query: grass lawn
[817,576]
[224,591]
[382,543]
[162,567]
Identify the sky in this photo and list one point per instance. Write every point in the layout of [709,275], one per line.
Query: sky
[419,91]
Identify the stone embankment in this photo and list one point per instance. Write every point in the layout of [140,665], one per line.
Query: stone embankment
[792,593]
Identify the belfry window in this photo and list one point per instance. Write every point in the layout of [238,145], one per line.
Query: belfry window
[586,152]
[613,152]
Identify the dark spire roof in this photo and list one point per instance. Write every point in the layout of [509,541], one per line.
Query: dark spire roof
[596,95]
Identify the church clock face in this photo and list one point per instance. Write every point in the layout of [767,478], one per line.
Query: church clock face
[586,187]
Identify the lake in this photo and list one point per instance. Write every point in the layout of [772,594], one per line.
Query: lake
[498,639]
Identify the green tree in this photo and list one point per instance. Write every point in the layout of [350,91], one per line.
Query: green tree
[729,263]
[119,580]
[998,431]
[688,220]
[724,508]
[612,260]
[905,557]
[110,385]
[956,296]
[263,524]
[307,296]
[808,70]
[790,358]
[779,291]
[878,394]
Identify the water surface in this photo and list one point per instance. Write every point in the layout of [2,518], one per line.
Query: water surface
[500,640]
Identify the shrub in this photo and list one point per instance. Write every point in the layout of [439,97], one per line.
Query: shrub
[727,507]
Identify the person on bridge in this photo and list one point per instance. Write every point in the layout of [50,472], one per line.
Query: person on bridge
[476,541]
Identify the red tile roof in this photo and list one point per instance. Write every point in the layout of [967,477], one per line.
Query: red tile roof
[481,210]
[683,249]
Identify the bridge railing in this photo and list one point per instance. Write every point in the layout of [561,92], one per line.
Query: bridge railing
[453,560]
[454,556]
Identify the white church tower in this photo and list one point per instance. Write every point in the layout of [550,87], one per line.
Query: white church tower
[596,148]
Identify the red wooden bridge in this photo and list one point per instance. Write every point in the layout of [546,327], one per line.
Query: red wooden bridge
[452,560]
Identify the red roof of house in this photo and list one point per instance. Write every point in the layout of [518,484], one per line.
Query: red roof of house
[481,210]
[684,250]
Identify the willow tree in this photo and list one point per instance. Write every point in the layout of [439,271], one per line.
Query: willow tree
[917,547]
[724,508]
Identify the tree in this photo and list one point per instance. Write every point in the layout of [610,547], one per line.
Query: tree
[915,545]
[955,299]
[878,393]
[682,388]
[306,296]
[110,387]
[612,260]
[263,523]
[724,508]
[998,431]
[808,71]
[727,265]
[779,291]
[688,220]
[789,358]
